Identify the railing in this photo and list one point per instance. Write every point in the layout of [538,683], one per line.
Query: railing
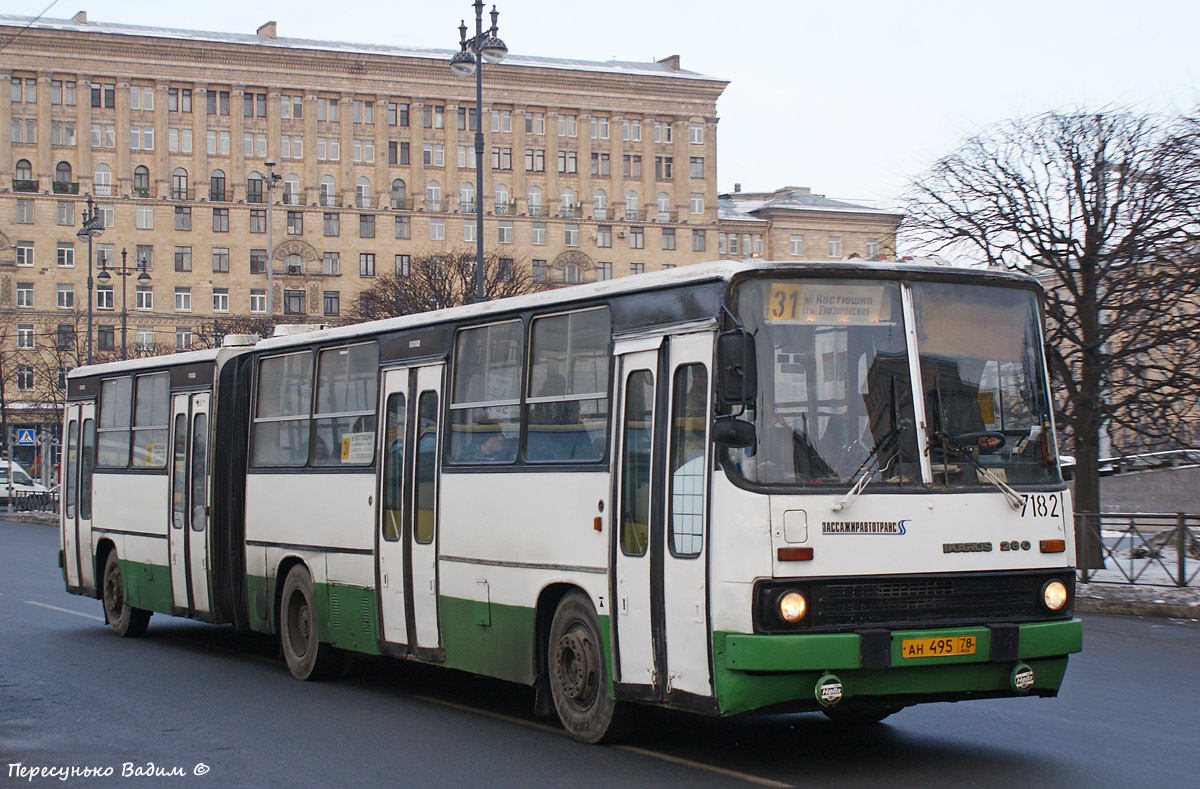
[292,198]
[364,201]
[255,197]
[604,213]
[402,204]
[66,187]
[102,190]
[666,216]
[569,211]
[331,200]
[32,502]
[180,193]
[216,195]
[1150,549]
[537,210]
[505,208]
[466,206]
[635,214]
[22,185]
[141,192]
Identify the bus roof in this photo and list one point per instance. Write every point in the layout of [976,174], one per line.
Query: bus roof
[693,274]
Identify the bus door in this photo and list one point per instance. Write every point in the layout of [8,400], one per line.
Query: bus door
[189,503]
[79,460]
[633,453]
[682,585]
[407,572]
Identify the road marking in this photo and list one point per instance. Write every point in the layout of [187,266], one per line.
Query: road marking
[66,611]
[754,779]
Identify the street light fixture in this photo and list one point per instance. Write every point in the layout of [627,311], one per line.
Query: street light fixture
[484,45]
[124,271]
[272,178]
[92,227]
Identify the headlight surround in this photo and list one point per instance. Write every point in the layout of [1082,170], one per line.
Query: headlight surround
[792,606]
[1054,595]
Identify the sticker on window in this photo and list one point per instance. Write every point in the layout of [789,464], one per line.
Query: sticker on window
[358,447]
[793,302]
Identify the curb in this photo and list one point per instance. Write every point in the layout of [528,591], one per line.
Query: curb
[1091,605]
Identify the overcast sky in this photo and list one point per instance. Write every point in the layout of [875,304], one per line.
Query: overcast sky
[848,98]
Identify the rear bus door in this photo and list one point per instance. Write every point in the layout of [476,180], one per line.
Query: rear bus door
[189,513]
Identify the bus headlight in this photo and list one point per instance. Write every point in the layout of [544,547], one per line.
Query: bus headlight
[1054,595]
[792,607]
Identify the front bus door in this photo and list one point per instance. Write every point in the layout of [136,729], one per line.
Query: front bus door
[189,504]
[79,455]
[407,573]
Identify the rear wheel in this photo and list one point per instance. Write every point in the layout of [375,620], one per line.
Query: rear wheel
[124,619]
[578,673]
[307,657]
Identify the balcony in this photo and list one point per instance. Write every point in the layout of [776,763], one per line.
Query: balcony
[255,197]
[140,192]
[216,195]
[505,208]
[66,187]
[180,193]
[102,190]
[292,198]
[401,204]
[22,185]
[569,211]
[635,214]
[364,201]
[466,206]
[666,216]
[604,213]
[537,210]
[331,200]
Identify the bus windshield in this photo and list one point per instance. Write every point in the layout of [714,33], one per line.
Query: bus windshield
[835,395]
[835,399]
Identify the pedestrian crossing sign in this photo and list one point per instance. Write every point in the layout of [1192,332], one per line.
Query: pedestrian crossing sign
[25,438]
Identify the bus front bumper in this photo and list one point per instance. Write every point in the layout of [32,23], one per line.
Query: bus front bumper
[755,671]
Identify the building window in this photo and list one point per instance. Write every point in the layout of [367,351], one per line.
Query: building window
[506,269]
[220,220]
[366,226]
[143,298]
[664,168]
[637,238]
[539,271]
[220,300]
[183,217]
[295,223]
[331,264]
[699,241]
[258,301]
[220,260]
[25,335]
[364,151]
[66,214]
[65,337]
[25,212]
[332,224]
[696,133]
[66,296]
[637,268]
[599,127]
[104,297]
[603,271]
[183,258]
[258,261]
[332,302]
[258,220]
[538,233]
[144,217]
[469,230]
[403,227]
[144,338]
[835,246]
[437,230]
[293,302]
[397,114]
[403,265]
[872,248]
[796,246]
[66,255]
[571,235]
[505,234]
[604,236]
[25,294]
[567,125]
[668,238]
[24,377]
[183,300]
[327,109]
[183,338]
[663,132]
[366,264]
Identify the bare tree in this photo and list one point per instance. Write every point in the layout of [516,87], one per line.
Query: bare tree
[437,281]
[1102,207]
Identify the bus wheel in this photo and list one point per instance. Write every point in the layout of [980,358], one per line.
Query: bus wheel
[578,675]
[125,620]
[307,657]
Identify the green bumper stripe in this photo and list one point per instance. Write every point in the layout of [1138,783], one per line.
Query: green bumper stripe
[1051,638]
[147,586]
[489,638]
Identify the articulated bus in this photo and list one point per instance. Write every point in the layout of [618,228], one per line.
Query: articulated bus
[726,488]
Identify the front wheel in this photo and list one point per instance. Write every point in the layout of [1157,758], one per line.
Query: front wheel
[306,656]
[578,673]
[124,619]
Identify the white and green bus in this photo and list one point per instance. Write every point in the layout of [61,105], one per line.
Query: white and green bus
[724,488]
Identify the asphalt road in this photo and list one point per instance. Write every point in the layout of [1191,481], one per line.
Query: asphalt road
[194,697]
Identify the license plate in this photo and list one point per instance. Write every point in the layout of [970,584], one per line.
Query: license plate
[937,647]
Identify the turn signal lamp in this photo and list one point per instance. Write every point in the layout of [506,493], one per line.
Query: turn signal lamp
[1052,546]
[792,607]
[1054,595]
[794,554]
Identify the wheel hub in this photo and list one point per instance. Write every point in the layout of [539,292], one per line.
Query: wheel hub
[575,671]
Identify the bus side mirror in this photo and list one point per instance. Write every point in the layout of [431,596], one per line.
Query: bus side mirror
[737,368]
[730,432]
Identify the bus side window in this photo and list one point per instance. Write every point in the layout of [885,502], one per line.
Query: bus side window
[72,457]
[635,462]
[87,462]
[427,408]
[689,412]
[393,468]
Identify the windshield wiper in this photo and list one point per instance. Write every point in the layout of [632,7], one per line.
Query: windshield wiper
[952,446]
[868,469]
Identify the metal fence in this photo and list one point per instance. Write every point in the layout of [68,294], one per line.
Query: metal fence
[1144,548]
[32,502]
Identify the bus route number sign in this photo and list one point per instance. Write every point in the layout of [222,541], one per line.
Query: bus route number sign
[824,303]
[937,647]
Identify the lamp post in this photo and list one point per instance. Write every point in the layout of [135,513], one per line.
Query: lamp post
[484,45]
[272,178]
[124,271]
[92,227]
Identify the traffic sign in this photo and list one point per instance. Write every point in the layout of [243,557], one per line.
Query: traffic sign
[25,438]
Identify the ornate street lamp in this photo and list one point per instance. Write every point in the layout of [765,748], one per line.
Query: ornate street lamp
[484,45]
[93,227]
[272,178]
[124,271]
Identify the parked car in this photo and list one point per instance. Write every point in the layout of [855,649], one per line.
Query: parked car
[22,485]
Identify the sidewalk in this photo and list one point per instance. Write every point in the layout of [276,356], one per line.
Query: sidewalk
[1119,599]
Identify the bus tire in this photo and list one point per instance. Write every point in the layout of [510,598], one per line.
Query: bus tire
[578,673]
[307,658]
[125,620]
